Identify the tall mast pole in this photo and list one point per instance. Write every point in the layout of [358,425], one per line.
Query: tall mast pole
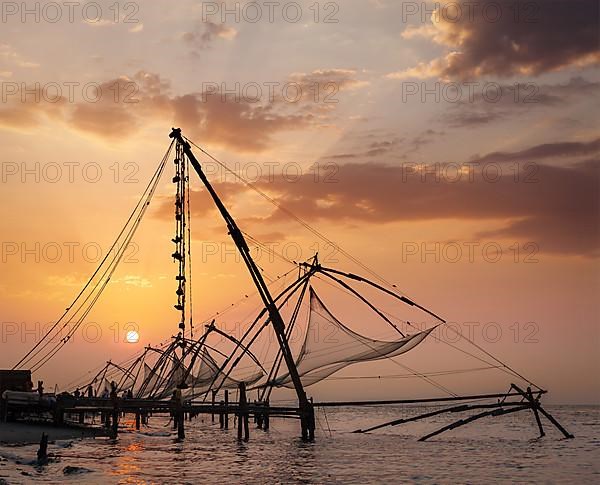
[306,409]
[180,180]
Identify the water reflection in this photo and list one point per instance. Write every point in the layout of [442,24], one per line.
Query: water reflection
[127,462]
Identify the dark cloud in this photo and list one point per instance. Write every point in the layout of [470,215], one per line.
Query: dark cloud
[467,118]
[506,101]
[527,38]
[205,34]
[545,151]
[127,104]
[424,138]
[394,147]
[240,125]
[556,207]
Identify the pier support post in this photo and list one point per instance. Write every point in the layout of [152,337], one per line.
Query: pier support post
[115,424]
[258,416]
[58,416]
[226,414]
[214,396]
[307,421]
[180,416]
[266,417]
[115,418]
[42,454]
[222,416]
[243,424]
[137,420]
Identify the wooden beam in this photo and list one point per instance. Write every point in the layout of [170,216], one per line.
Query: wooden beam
[462,422]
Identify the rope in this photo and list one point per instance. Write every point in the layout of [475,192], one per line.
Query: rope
[44,341]
[290,214]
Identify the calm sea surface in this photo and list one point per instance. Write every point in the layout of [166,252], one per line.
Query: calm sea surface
[490,450]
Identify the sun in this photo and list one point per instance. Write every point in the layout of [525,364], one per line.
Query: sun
[132,337]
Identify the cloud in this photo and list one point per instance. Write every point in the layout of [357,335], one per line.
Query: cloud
[556,207]
[24,110]
[339,79]
[127,103]
[505,101]
[399,147]
[99,23]
[137,28]
[205,34]
[236,124]
[522,38]
[9,56]
[544,152]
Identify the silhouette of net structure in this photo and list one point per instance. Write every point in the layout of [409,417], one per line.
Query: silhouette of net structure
[329,346]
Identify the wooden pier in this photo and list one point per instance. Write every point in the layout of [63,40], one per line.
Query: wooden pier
[86,411]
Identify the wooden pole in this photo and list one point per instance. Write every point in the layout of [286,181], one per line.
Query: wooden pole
[58,415]
[180,416]
[549,417]
[115,423]
[453,409]
[214,396]
[137,420]
[534,407]
[266,417]
[243,424]
[115,411]
[226,414]
[462,422]
[258,417]
[115,420]
[311,421]
[42,454]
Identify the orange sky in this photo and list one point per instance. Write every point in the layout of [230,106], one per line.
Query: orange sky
[73,169]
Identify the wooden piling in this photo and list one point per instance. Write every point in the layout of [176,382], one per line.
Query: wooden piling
[58,415]
[115,425]
[266,417]
[42,454]
[214,396]
[243,424]
[258,417]
[311,421]
[137,421]
[226,414]
[180,416]
[222,416]
[115,417]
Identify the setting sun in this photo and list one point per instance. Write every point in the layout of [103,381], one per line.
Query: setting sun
[132,337]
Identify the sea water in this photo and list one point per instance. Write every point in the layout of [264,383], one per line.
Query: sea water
[491,450]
